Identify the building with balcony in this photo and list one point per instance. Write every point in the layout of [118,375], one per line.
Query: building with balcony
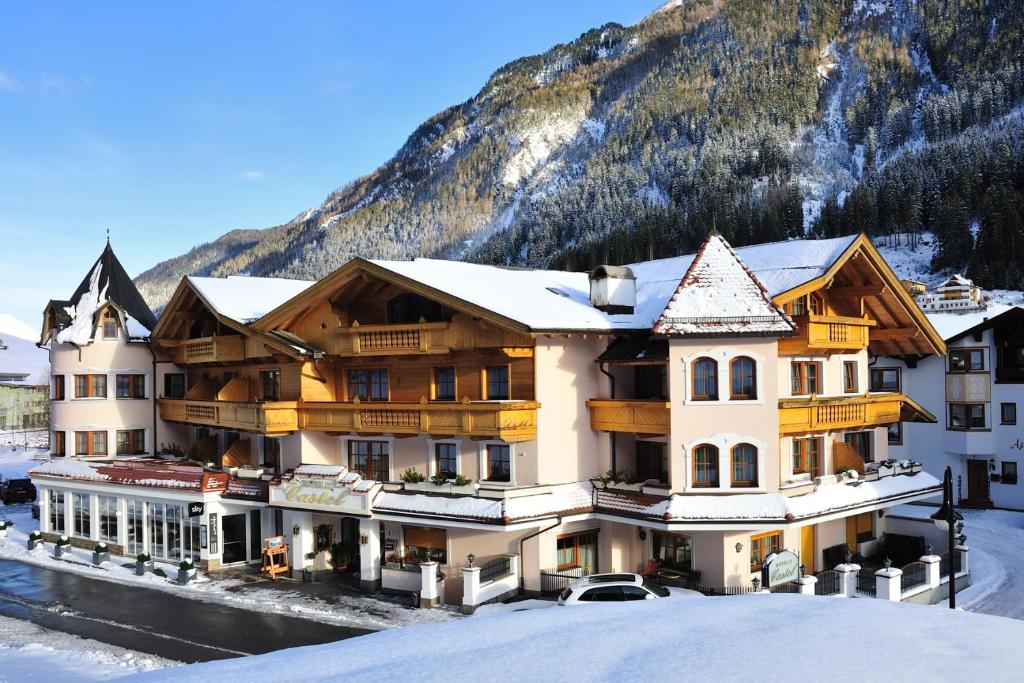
[693,413]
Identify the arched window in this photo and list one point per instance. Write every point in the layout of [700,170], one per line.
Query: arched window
[705,466]
[744,465]
[743,379]
[705,380]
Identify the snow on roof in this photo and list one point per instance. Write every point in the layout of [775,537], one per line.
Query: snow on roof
[560,498]
[559,300]
[949,325]
[719,295]
[83,314]
[334,471]
[68,467]
[24,357]
[245,299]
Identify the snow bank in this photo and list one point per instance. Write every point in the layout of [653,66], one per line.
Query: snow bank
[718,639]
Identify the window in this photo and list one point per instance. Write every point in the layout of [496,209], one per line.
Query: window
[90,386]
[107,507]
[817,304]
[270,385]
[445,458]
[863,443]
[885,379]
[650,382]
[131,386]
[967,416]
[131,442]
[109,324]
[1009,473]
[797,306]
[705,380]
[850,376]
[744,465]
[763,545]
[497,383]
[272,454]
[651,461]
[743,380]
[806,377]
[370,459]
[807,456]
[425,544]
[577,550]
[90,443]
[174,385]
[602,594]
[1008,413]
[967,360]
[80,514]
[57,518]
[499,462]
[58,388]
[58,444]
[368,385]
[895,434]
[705,466]
[444,383]
[135,527]
[674,551]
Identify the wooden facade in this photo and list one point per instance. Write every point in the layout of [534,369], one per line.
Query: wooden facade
[269,417]
[629,415]
[814,414]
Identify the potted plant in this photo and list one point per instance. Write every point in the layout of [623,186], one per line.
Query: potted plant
[186,571]
[62,548]
[35,539]
[341,557]
[143,564]
[308,573]
[101,553]
[4,525]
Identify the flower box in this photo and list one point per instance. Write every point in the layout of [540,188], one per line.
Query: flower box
[35,540]
[62,547]
[431,487]
[100,557]
[143,565]
[623,486]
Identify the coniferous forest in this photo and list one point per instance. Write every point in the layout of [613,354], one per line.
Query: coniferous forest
[766,121]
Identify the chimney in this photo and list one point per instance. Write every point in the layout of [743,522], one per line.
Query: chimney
[613,289]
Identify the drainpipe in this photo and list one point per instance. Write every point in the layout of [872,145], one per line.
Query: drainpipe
[612,436]
[522,579]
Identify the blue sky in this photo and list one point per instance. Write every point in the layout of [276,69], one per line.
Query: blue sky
[172,125]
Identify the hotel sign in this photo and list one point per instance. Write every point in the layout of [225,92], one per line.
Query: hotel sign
[779,568]
[318,494]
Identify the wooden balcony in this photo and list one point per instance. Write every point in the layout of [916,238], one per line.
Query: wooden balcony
[813,414]
[506,420]
[633,416]
[391,340]
[271,417]
[237,454]
[819,333]
[219,349]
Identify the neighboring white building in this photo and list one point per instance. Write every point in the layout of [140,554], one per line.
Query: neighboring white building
[977,390]
[956,295]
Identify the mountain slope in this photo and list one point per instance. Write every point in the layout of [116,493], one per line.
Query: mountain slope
[631,142]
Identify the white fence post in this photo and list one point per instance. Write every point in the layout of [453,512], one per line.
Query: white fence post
[932,570]
[848,579]
[806,584]
[513,564]
[888,584]
[429,593]
[470,589]
[964,563]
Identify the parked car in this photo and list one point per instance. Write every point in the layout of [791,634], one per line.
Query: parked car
[35,510]
[617,588]
[17,491]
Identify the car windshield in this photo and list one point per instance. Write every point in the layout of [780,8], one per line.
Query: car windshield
[660,591]
[565,594]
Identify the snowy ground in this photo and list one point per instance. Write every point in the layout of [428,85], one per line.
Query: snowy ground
[31,653]
[343,609]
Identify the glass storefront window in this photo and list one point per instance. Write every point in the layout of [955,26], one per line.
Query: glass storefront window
[135,527]
[57,518]
[108,518]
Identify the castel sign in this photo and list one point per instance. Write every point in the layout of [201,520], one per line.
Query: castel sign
[779,568]
[318,494]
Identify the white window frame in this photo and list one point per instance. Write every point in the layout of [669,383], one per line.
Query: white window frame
[431,457]
[724,443]
[482,461]
[723,357]
[345,440]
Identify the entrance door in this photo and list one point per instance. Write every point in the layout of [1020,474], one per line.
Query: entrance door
[977,481]
[233,531]
[807,550]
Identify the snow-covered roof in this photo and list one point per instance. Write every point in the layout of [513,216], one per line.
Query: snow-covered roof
[559,300]
[68,467]
[950,325]
[561,498]
[718,295]
[243,298]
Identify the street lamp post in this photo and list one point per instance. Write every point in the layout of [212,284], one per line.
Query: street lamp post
[946,519]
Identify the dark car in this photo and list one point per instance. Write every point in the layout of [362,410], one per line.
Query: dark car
[17,491]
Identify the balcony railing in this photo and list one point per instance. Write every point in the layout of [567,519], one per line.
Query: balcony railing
[827,333]
[800,415]
[270,417]
[219,349]
[506,420]
[628,415]
[379,340]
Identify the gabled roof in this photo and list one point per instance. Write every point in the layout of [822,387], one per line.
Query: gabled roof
[988,321]
[119,288]
[245,299]
[718,295]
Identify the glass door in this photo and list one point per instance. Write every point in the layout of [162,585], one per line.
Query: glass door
[233,531]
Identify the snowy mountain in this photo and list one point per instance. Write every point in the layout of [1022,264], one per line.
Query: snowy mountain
[765,120]
[21,356]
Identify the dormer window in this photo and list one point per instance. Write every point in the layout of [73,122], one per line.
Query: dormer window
[109,324]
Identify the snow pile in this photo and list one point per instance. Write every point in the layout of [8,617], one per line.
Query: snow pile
[718,639]
[83,314]
[21,356]
[561,498]
[245,299]
[718,295]
[68,467]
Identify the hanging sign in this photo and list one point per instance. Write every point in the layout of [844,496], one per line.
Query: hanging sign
[779,568]
[317,494]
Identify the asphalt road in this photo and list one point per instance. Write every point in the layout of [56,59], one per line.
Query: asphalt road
[151,621]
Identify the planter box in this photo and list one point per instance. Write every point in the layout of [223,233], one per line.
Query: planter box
[60,551]
[622,486]
[100,558]
[431,487]
[142,567]
[34,543]
[185,575]
[308,575]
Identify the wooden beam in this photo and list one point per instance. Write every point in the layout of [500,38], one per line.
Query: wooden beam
[864,290]
[894,333]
